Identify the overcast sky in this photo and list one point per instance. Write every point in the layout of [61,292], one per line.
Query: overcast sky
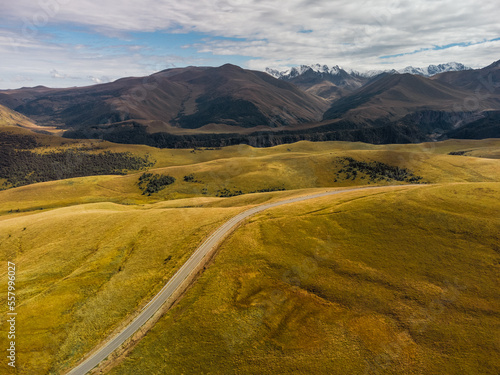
[61,43]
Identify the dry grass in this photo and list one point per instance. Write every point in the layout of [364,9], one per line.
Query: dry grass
[246,169]
[401,282]
[82,270]
[366,263]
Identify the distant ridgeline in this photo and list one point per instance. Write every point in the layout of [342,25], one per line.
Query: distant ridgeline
[21,164]
[255,108]
[343,130]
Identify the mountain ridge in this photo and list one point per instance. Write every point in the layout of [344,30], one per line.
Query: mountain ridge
[428,71]
[227,105]
[176,98]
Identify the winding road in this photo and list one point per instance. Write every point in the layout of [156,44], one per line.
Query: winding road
[182,275]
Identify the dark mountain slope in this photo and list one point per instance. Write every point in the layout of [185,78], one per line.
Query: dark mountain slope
[176,98]
[395,96]
[482,82]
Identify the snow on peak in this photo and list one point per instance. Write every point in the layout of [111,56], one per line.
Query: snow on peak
[335,70]
[302,69]
[435,69]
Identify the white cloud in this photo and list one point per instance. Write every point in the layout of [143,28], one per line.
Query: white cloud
[43,62]
[98,80]
[58,75]
[271,33]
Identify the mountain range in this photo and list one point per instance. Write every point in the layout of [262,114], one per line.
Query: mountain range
[214,106]
[334,82]
[335,70]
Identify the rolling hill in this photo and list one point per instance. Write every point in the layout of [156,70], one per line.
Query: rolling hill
[83,244]
[10,118]
[399,282]
[113,246]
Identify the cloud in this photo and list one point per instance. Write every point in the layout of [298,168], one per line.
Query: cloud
[61,64]
[345,32]
[20,78]
[57,75]
[98,80]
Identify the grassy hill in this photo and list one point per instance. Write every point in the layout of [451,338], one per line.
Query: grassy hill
[84,244]
[246,169]
[399,282]
[82,270]
[10,118]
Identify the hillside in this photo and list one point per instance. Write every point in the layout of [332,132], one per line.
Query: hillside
[114,245]
[10,118]
[483,82]
[399,282]
[185,98]
[394,96]
[121,254]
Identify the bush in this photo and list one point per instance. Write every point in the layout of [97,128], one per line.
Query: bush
[226,193]
[376,171]
[152,183]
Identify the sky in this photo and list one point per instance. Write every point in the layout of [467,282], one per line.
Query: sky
[65,43]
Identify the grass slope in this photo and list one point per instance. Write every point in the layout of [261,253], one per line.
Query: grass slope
[401,282]
[85,244]
[83,269]
[246,169]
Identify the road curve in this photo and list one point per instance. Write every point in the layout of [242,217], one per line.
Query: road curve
[176,281]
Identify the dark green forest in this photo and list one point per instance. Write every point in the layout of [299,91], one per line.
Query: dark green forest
[20,165]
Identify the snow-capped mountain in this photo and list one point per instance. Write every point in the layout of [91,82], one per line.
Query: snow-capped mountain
[302,69]
[322,80]
[334,82]
[435,69]
[373,73]
[319,69]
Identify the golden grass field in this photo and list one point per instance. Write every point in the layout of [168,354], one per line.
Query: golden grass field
[397,281]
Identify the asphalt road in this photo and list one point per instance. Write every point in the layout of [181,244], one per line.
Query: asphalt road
[176,280]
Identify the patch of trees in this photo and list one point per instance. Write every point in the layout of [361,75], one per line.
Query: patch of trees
[458,152]
[191,178]
[151,183]
[232,193]
[267,190]
[23,167]
[375,171]
[17,141]
[228,193]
